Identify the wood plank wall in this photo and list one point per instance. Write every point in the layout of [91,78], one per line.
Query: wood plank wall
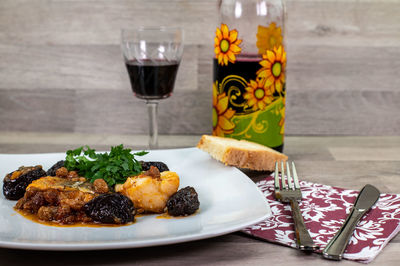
[61,69]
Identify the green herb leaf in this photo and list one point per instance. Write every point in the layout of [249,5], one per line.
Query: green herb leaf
[141,153]
[113,167]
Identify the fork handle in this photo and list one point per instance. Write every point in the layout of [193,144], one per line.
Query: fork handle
[303,238]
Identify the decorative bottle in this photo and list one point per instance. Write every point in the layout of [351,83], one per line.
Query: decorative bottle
[249,84]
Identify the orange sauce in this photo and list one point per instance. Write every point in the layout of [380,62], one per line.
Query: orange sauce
[165,215]
[138,215]
[34,218]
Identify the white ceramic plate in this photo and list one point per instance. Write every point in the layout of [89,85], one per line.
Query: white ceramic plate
[229,201]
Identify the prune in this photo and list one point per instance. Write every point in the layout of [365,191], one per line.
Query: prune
[15,183]
[160,165]
[110,208]
[183,202]
[52,170]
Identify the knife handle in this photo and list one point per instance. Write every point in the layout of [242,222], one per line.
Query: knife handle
[335,248]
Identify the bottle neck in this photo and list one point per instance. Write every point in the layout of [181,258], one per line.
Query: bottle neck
[250,18]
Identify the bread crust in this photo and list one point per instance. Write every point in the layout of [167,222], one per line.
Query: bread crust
[234,152]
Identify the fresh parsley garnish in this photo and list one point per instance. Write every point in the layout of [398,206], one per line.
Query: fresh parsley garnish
[113,167]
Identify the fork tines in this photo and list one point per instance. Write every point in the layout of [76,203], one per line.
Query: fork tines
[292,180]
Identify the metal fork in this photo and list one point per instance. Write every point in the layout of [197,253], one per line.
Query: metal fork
[291,192]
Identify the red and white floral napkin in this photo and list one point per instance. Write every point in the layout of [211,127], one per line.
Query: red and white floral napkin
[324,209]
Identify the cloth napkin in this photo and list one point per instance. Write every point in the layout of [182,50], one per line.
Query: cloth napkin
[324,210]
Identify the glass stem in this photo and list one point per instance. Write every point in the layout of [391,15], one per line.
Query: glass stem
[152,107]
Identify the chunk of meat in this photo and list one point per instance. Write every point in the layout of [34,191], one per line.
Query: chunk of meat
[47,213]
[51,196]
[100,186]
[62,172]
[153,172]
[74,199]
[71,175]
[150,194]
[57,199]
[52,170]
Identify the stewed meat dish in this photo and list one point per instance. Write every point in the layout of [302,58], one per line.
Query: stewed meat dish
[64,195]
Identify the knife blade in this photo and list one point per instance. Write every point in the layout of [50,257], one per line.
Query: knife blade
[368,196]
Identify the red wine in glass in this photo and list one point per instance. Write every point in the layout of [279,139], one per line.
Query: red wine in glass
[152,56]
[152,79]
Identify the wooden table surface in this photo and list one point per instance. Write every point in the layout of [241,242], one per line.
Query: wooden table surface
[348,162]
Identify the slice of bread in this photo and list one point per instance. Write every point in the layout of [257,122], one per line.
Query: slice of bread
[241,153]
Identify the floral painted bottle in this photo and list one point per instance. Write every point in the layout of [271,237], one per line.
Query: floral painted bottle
[249,72]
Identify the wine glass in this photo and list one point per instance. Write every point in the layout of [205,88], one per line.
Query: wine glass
[152,56]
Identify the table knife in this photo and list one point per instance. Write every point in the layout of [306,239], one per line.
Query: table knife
[368,196]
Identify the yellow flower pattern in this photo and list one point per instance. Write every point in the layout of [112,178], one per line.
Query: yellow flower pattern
[272,73]
[221,114]
[257,95]
[268,37]
[226,45]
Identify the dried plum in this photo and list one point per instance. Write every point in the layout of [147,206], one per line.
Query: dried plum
[183,202]
[15,183]
[52,170]
[113,208]
[160,165]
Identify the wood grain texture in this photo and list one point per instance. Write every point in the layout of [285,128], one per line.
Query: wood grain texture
[41,110]
[367,154]
[315,162]
[360,23]
[310,68]
[226,250]
[78,67]
[189,112]
[63,22]
[343,113]
[99,22]
[101,112]
[60,142]
[343,63]
[322,68]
